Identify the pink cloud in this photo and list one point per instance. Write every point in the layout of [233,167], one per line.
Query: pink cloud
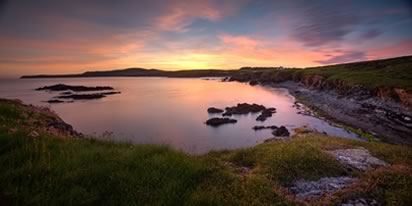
[182,13]
[401,48]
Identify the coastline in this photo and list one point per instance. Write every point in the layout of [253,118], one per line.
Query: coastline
[53,167]
[371,118]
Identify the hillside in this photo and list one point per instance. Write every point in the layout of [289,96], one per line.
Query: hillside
[139,72]
[388,79]
[45,164]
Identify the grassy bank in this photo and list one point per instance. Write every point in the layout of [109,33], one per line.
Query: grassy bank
[53,169]
[394,72]
[385,73]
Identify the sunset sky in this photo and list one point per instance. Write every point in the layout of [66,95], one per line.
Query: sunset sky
[57,37]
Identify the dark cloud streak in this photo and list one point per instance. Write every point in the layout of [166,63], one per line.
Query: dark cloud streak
[325,22]
[346,57]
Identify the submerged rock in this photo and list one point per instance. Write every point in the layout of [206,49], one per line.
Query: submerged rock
[216,121]
[359,158]
[214,110]
[264,127]
[63,87]
[86,96]
[282,131]
[315,189]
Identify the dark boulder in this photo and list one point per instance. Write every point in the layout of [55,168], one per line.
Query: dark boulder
[264,127]
[253,83]
[243,108]
[214,110]
[266,113]
[87,96]
[53,101]
[216,121]
[281,132]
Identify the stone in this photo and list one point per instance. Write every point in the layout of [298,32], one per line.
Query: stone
[360,202]
[63,87]
[214,110]
[243,108]
[315,189]
[53,101]
[282,131]
[253,83]
[34,134]
[87,96]
[216,121]
[359,158]
[264,127]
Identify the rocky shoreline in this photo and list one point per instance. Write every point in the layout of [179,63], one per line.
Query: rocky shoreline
[356,109]
[386,120]
[76,92]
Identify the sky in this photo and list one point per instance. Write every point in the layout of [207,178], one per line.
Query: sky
[73,36]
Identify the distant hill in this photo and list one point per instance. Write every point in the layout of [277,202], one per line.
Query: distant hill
[140,72]
[394,69]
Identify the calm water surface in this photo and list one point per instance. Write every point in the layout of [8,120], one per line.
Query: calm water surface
[169,111]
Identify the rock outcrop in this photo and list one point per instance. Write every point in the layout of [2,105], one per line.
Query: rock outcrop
[359,158]
[282,131]
[216,121]
[243,108]
[315,189]
[214,110]
[63,87]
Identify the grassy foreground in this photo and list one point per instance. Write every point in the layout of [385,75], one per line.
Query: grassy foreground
[51,169]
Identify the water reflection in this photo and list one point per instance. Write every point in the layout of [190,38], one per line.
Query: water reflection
[170,111]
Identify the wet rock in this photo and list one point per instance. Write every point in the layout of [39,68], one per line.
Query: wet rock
[216,121]
[253,83]
[316,189]
[264,127]
[214,110]
[63,87]
[266,113]
[33,134]
[281,132]
[53,101]
[359,158]
[87,96]
[81,96]
[243,108]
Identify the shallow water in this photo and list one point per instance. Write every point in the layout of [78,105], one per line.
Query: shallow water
[169,111]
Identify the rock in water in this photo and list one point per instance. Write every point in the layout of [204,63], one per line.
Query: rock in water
[264,127]
[281,132]
[214,110]
[265,114]
[253,83]
[216,121]
[63,87]
[243,108]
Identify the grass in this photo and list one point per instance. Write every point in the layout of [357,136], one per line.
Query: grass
[386,73]
[51,170]
[390,73]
